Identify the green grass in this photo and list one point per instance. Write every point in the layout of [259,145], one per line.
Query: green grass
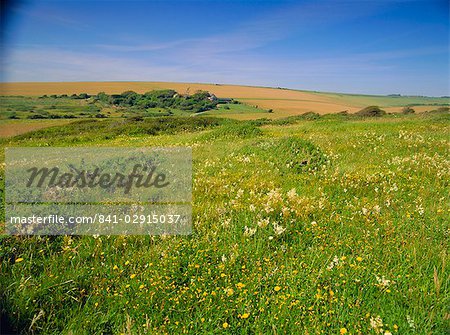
[386,101]
[306,227]
[241,108]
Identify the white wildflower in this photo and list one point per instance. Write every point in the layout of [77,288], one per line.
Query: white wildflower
[383,282]
[377,209]
[249,231]
[333,263]
[278,229]
[376,324]
[411,323]
[263,223]
[268,209]
[226,223]
[292,194]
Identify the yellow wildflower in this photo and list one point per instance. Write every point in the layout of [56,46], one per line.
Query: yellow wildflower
[245,316]
[229,291]
[240,285]
[18,260]
[343,331]
[133,275]
[225,325]
[277,288]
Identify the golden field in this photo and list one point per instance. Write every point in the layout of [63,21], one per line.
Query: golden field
[16,127]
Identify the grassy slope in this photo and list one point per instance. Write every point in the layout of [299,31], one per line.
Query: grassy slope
[284,102]
[378,208]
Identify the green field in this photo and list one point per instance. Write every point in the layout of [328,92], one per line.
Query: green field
[387,101]
[330,225]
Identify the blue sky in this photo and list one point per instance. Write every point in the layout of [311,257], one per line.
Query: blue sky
[373,47]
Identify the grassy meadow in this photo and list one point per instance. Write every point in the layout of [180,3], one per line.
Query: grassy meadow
[307,225]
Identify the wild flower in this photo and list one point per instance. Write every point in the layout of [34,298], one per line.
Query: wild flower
[420,209]
[377,209]
[333,263]
[268,208]
[239,193]
[292,194]
[263,223]
[383,282]
[249,231]
[229,291]
[226,222]
[377,324]
[245,316]
[278,229]
[240,285]
[411,322]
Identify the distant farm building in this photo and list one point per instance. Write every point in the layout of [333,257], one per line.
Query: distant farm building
[213,97]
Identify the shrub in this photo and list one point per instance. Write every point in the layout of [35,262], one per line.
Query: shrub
[408,110]
[371,111]
[36,116]
[309,116]
[443,110]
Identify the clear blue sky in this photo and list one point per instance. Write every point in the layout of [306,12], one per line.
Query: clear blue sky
[375,47]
